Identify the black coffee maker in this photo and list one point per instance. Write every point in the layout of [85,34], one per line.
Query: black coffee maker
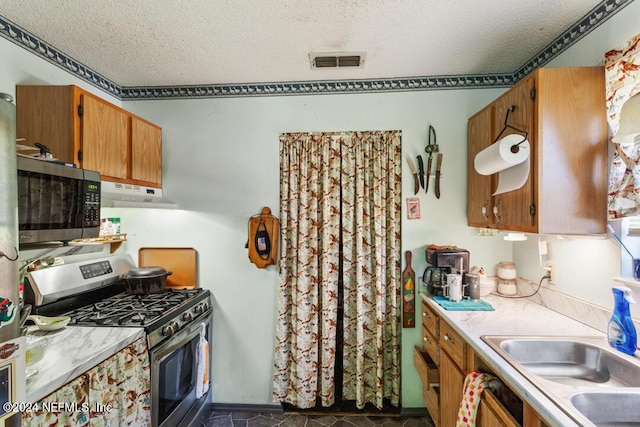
[443,261]
[435,278]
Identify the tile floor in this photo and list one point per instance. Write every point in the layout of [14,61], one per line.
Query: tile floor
[282,419]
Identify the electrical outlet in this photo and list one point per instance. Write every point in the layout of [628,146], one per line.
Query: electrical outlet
[552,274]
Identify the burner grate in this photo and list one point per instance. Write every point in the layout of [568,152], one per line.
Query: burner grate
[131,310]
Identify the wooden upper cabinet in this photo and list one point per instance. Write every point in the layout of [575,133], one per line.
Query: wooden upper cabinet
[45,114]
[84,129]
[146,151]
[563,112]
[104,138]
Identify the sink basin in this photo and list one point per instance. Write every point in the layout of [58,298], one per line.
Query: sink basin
[572,361]
[609,408]
[590,381]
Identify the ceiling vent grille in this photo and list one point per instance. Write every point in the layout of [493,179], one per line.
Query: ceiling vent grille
[337,60]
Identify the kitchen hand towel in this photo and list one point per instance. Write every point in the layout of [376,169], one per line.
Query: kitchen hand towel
[202,379]
[463,305]
[474,383]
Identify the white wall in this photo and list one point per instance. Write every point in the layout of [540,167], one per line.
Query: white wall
[221,165]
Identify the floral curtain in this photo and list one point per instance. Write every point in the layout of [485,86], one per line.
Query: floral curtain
[622,69]
[338,189]
[371,259]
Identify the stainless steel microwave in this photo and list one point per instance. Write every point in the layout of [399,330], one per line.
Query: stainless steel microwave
[56,202]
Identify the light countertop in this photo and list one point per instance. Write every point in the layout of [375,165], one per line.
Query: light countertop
[515,317]
[72,351]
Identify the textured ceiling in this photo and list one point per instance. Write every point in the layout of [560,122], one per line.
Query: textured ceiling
[152,43]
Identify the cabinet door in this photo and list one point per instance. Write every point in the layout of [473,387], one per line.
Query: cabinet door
[516,209]
[146,151]
[479,136]
[45,114]
[451,383]
[487,418]
[104,137]
[491,413]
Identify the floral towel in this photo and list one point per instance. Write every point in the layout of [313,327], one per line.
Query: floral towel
[474,383]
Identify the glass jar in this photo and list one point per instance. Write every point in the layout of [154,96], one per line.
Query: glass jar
[507,270]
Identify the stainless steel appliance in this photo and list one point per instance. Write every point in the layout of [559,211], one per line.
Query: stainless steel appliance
[12,346]
[56,202]
[92,294]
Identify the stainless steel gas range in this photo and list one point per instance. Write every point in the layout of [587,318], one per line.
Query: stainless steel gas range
[175,322]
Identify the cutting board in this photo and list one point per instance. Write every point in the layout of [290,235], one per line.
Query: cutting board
[408,294]
[181,262]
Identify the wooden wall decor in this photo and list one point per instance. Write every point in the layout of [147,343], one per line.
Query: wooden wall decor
[263,238]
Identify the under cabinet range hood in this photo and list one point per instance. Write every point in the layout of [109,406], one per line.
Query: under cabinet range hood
[119,195]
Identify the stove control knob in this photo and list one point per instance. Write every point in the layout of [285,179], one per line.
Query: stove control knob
[187,317]
[198,309]
[170,329]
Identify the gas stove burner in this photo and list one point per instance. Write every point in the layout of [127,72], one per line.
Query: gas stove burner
[125,309]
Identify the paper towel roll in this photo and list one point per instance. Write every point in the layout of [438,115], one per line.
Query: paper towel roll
[498,156]
[513,168]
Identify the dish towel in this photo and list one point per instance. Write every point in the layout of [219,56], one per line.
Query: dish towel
[463,305]
[202,379]
[474,383]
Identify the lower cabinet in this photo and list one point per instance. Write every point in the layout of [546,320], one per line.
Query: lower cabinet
[115,392]
[443,380]
[451,383]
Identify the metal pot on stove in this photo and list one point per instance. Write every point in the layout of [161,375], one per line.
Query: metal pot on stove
[435,278]
[146,280]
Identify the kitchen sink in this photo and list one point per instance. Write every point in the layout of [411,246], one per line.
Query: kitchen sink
[572,361]
[606,408]
[590,381]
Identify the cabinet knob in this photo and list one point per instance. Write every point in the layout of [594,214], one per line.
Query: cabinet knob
[448,339]
[485,209]
[425,314]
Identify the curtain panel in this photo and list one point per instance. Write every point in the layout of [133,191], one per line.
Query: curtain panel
[339,190]
[622,72]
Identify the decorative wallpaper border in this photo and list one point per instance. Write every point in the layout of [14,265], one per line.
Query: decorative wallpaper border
[588,23]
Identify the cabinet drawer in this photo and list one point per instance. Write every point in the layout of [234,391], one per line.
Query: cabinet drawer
[429,319]
[431,397]
[426,368]
[454,345]
[430,345]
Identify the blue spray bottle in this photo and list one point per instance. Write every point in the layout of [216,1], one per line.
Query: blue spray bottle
[621,331]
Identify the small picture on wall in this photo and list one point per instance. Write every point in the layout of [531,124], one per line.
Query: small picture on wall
[413,208]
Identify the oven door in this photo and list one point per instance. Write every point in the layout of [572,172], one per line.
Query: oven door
[174,367]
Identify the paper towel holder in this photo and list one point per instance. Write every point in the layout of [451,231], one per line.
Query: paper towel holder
[515,147]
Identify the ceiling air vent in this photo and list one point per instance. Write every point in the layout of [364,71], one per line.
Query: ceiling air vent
[337,60]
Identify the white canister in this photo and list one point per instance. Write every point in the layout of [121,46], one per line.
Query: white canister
[507,270]
[453,289]
[507,287]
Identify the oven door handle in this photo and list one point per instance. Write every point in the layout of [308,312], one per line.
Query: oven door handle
[178,340]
